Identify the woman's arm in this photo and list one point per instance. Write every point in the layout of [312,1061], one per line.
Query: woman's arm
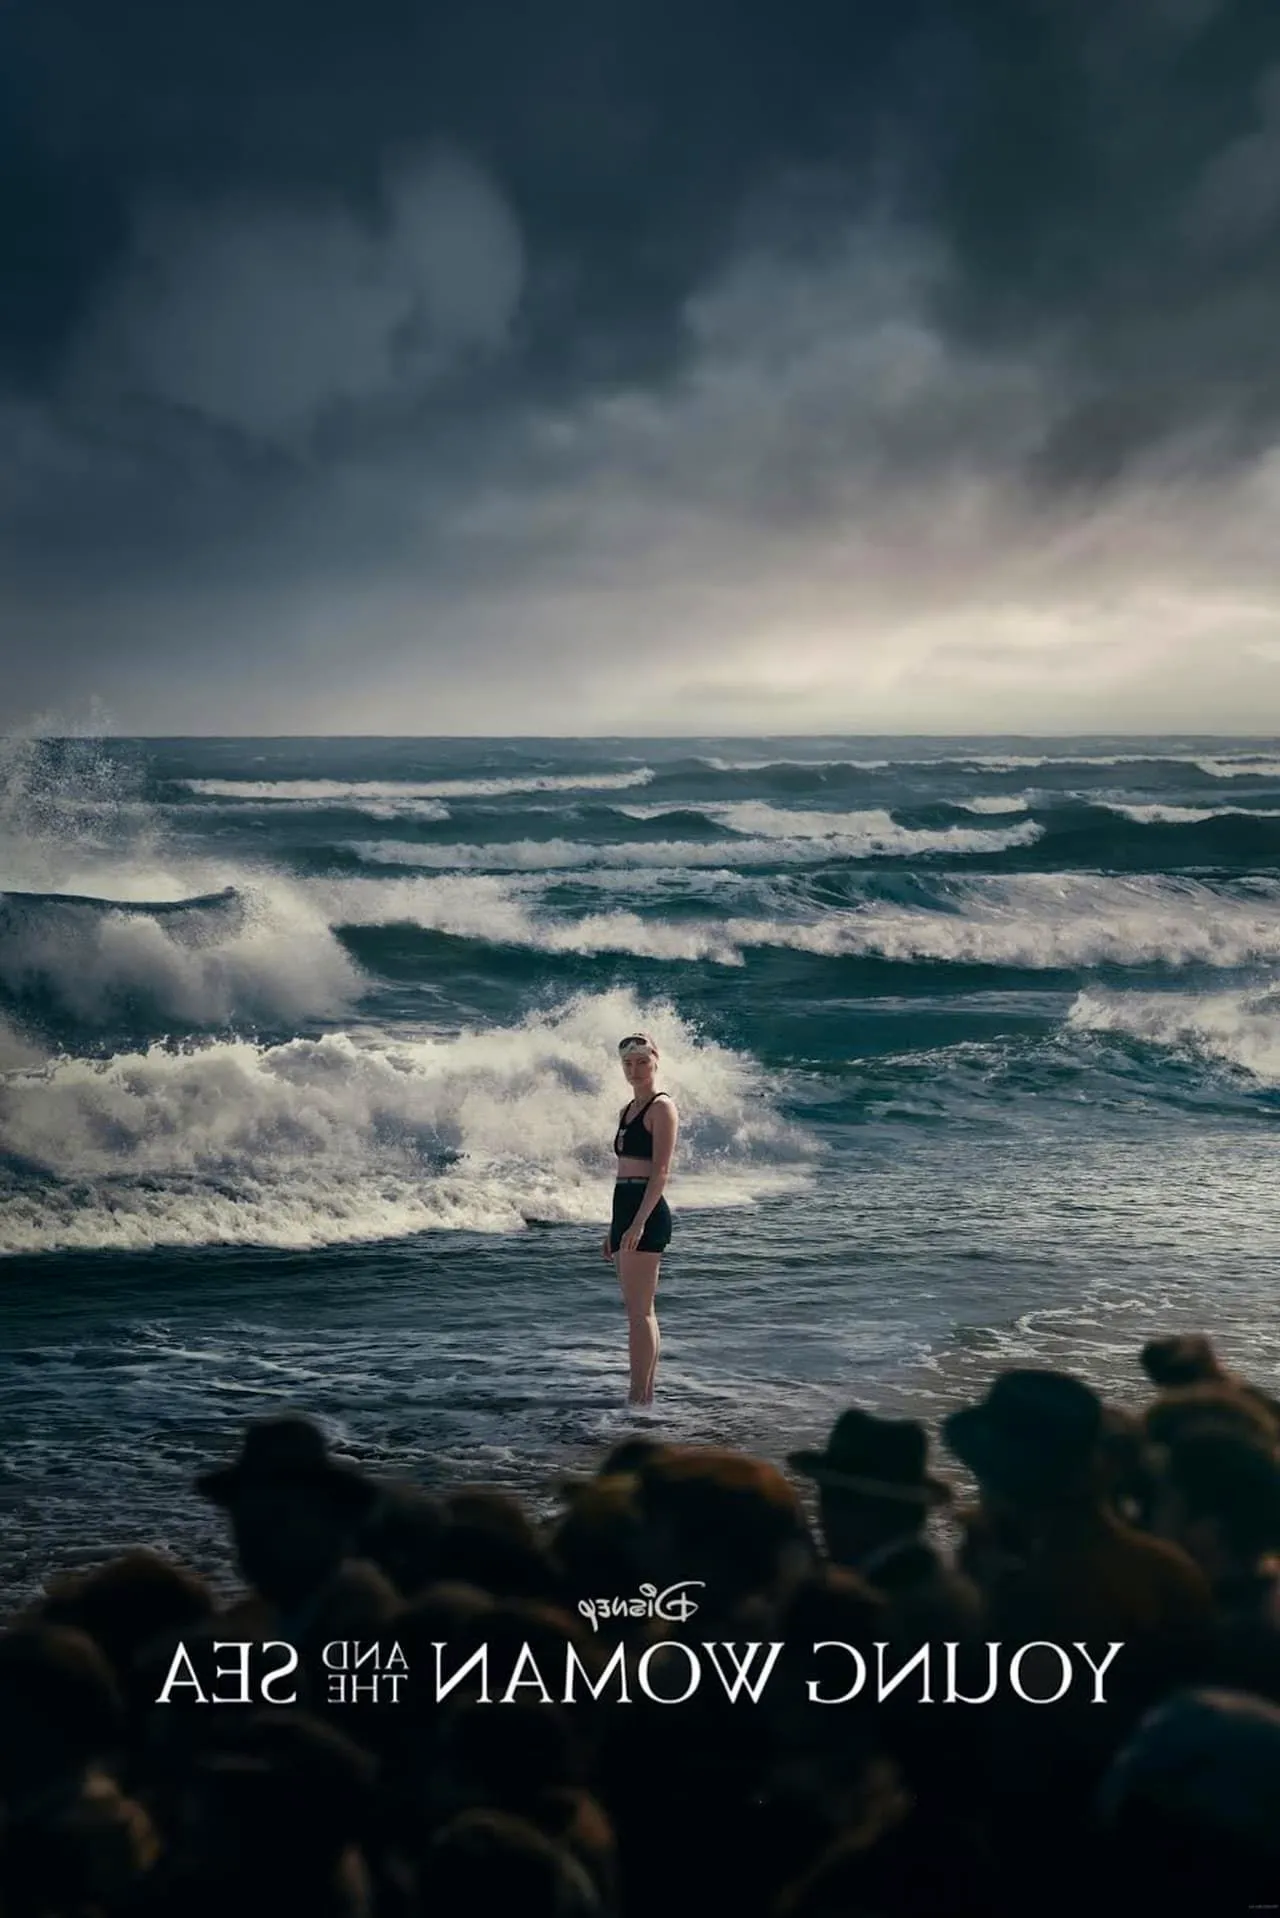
[665,1127]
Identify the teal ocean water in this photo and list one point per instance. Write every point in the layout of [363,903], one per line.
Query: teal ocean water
[308,1082]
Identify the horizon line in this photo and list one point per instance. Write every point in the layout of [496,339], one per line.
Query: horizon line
[653,738]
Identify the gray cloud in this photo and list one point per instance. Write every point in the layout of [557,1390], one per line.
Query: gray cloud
[269,318]
[1237,200]
[862,377]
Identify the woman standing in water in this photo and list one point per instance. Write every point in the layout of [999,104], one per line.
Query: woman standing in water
[640,1230]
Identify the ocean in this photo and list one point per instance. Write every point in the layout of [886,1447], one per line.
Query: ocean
[308,1081]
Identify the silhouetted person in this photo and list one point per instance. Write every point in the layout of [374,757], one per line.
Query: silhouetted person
[1078,1572]
[294,1512]
[874,1489]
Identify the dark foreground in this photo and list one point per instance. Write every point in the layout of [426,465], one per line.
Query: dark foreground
[677,1694]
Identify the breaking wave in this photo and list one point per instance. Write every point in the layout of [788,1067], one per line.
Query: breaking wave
[264,956]
[344,1138]
[1035,921]
[1240,1030]
[847,836]
[357,793]
[105,921]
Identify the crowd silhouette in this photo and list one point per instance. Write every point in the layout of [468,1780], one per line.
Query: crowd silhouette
[126,1789]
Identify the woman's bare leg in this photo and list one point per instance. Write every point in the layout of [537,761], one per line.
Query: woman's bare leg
[638,1282]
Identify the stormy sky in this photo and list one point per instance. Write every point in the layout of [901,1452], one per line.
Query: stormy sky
[637,367]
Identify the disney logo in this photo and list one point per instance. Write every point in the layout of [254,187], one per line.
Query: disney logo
[673,1603]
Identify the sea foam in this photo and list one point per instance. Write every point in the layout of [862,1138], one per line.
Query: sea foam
[1037,921]
[83,855]
[358,1136]
[848,836]
[268,956]
[358,792]
[1235,1029]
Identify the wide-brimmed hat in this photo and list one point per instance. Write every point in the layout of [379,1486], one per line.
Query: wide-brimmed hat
[1035,1430]
[288,1451]
[876,1458]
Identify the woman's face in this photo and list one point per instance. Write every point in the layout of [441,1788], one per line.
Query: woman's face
[639,1066]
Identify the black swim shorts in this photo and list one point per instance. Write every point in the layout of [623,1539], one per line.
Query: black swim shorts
[627,1198]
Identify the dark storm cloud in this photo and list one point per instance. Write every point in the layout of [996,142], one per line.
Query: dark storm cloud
[623,132]
[403,319]
[1078,156]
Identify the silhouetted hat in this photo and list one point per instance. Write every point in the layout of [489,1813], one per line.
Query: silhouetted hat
[1035,1430]
[878,1458]
[288,1451]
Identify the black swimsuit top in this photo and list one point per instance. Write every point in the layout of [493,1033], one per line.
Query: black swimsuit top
[632,1141]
